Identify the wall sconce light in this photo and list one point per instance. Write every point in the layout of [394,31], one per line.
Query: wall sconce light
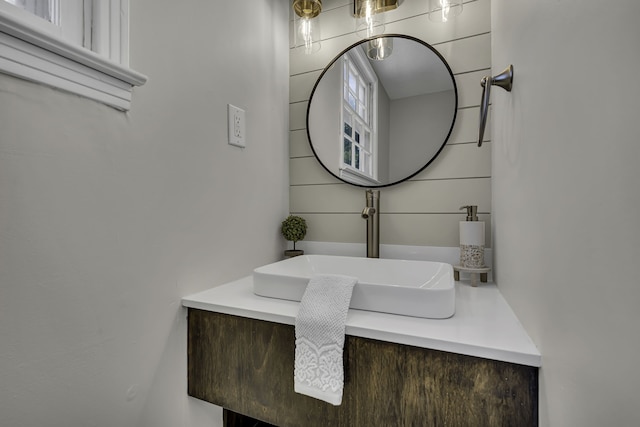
[369,18]
[444,10]
[306,29]
[380,48]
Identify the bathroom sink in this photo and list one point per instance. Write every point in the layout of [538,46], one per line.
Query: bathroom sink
[409,288]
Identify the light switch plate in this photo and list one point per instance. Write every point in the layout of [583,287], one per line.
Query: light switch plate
[236,126]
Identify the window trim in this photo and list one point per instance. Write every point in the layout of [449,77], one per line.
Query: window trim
[353,175]
[30,53]
[358,59]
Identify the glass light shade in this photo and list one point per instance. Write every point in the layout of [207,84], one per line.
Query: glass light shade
[306,34]
[368,22]
[380,48]
[444,10]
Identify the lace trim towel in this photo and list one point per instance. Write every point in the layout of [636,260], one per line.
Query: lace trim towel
[320,326]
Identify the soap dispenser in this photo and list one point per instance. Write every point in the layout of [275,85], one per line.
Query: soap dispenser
[471,239]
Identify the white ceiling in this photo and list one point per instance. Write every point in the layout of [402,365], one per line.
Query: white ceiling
[412,69]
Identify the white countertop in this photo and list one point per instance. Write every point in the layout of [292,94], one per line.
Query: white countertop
[484,325]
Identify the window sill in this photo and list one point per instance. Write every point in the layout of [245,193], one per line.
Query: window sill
[356,177]
[30,54]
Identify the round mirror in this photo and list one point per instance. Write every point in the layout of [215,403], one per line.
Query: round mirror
[382,111]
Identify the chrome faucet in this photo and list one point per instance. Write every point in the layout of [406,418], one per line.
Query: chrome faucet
[372,214]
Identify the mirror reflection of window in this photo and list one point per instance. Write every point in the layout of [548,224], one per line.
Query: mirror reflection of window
[358,139]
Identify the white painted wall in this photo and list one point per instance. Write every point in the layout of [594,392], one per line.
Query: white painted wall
[566,200]
[107,219]
[326,118]
[384,107]
[419,124]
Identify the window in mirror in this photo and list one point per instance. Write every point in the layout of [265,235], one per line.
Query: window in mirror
[358,118]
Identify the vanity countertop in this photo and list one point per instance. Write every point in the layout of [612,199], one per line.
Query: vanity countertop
[483,326]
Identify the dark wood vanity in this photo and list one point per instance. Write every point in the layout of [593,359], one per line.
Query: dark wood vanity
[246,366]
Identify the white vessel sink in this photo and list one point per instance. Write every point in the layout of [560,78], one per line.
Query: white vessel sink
[410,288]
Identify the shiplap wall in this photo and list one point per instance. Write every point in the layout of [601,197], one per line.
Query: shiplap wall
[423,211]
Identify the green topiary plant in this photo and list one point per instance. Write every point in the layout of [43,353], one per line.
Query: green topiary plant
[294,228]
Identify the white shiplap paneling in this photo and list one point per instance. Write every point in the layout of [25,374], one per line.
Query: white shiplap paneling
[425,229]
[455,161]
[436,196]
[422,211]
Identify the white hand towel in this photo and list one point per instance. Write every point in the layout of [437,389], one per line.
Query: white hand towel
[320,326]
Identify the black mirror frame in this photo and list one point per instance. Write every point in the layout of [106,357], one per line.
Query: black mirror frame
[453,121]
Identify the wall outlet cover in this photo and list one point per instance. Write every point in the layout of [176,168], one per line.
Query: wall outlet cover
[236,128]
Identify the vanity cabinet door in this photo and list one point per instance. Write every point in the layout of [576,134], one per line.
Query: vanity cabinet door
[233,419]
[246,366]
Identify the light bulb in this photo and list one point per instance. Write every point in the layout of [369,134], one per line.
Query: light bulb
[307,35]
[368,22]
[444,10]
[380,48]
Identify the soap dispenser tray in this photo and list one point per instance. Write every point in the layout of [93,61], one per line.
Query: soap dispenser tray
[474,272]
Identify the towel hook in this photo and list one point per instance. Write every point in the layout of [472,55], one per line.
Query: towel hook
[503,80]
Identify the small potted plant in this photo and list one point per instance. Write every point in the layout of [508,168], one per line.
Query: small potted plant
[294,228]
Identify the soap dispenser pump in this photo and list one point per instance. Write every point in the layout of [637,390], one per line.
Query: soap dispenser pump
[472,212]
[471,239]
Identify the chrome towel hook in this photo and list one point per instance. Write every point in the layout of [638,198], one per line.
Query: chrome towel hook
[503,80]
